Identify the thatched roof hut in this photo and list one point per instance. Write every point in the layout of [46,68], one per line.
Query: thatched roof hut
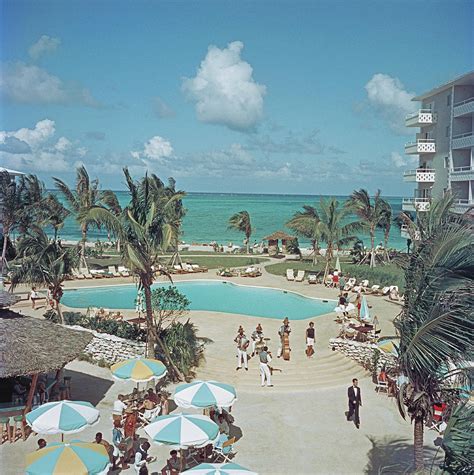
[30,345]
[273,241]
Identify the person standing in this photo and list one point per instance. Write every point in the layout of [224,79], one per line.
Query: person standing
[242,345]
[355,401]
[34,296]
[265,358]
[142,457]
[285,328]
[257,336]
[342,283]
[310,337]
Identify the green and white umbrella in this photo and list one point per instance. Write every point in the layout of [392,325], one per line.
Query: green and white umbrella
[202,394]
[62,417]
[74,458]
[220,469]
[183,430]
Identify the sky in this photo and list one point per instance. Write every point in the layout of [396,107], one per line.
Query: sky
[305,97]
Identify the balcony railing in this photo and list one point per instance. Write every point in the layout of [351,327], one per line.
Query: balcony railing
[420,175]
[465,140]
[462,205]
[420,146]
[421,118]
[464,107]
[416,204]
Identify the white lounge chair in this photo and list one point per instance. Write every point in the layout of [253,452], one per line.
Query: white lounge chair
[124,272]
[77,275]
[381,386]
[299,276]
[350,283]
[86,273]
[375,289]
[290,274]
[385,290]
[312,279]
[113,271]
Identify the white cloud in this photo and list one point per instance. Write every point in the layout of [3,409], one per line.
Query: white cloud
[40,152]
[156,149]
[30,84]
[162,109]
[389,98]
[400,161]
[46,44]
[224,89]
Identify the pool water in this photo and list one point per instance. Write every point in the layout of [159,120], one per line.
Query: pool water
[211,296]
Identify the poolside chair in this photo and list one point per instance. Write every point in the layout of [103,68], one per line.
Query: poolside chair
[113,271]
[312,279]
[86,273]
[290,274]
[375,289]
[350,283]
[385,290]
[224,452]
[97,274]
[198,268]
[77,275]
[439,410]
[124,272]
[299,276]
[381,386]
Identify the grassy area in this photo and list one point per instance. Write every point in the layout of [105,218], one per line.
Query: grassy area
[215,261]
[383,275]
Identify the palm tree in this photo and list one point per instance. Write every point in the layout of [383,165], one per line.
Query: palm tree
[307,224]
[43,262]
[386,225]
[334,229]
[371,214]
[435,325]
[55,213]
[11,207]
[145,230]
[32,197]
[241,222]
[84,197]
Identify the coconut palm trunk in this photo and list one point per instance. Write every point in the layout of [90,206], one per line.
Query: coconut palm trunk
[372,248]
[83,247]
[315,251]
[418,444]
[4,252]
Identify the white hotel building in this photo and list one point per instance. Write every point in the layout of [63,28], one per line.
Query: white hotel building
[444,145]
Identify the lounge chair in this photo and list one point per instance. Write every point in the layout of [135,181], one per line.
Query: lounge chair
[300,276]
[312,279]
[113,272]
[97,274]
[381,386]
[385,290]
[224,452]
[290,274]
[77,275]
[375,289]
[362,287]
[198,268]
[251,272]
[86,273]
[124,272]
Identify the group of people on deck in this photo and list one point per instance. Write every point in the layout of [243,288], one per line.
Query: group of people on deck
[256,342]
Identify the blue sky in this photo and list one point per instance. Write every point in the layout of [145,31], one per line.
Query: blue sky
[280,96]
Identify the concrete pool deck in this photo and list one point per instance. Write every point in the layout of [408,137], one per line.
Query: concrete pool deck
[298,426]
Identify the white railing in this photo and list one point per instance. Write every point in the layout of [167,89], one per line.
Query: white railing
[466,101]
[469,168]
[464,202]
[418,170]
[412,115]
[460,136]
[418,141]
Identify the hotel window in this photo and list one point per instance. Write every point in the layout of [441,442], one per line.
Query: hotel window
[446,162]
[448,128]
[449,100]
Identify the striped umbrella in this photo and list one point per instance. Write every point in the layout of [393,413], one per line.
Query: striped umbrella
[74,458]
[202,394]
[62,417]
[183,430]
[139,370]
[364,309]
[389,346]
[220,469]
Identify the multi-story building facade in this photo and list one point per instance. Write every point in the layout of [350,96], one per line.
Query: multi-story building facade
[444,146]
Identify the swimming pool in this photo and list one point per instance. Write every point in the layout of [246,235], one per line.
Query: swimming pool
[214,296]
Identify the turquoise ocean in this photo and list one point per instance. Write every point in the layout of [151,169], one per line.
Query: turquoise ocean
[208,213]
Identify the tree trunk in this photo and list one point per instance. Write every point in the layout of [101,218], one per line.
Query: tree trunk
[55,233]
[328,261]
[248,244]
[418,444]
[83,247]
[4,252]
[315,250]
[372,248]
[167,353]
[59,312]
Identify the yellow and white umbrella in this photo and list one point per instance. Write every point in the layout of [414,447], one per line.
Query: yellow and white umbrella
[139,370]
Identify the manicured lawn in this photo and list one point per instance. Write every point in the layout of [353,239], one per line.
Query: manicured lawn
[384,275]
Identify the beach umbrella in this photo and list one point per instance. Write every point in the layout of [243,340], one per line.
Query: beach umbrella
[338,264]
[364,309]
[220,469]
[183,430]
[389,346]
[139,370]
[62,417]
[74,458]
[202,394]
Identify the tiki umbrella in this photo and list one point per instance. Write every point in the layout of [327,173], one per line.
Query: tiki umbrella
[139,370]
[203,394]
[62,417]
[74,458]
[220,469]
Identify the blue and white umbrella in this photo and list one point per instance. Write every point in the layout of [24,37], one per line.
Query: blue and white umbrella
[202,394]
[183,430]
[62,417]
[220,469]
[364,310]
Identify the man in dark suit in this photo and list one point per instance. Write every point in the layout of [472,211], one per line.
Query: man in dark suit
[355,400]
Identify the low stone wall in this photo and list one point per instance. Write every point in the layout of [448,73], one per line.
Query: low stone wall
[363,353]
[110,349]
